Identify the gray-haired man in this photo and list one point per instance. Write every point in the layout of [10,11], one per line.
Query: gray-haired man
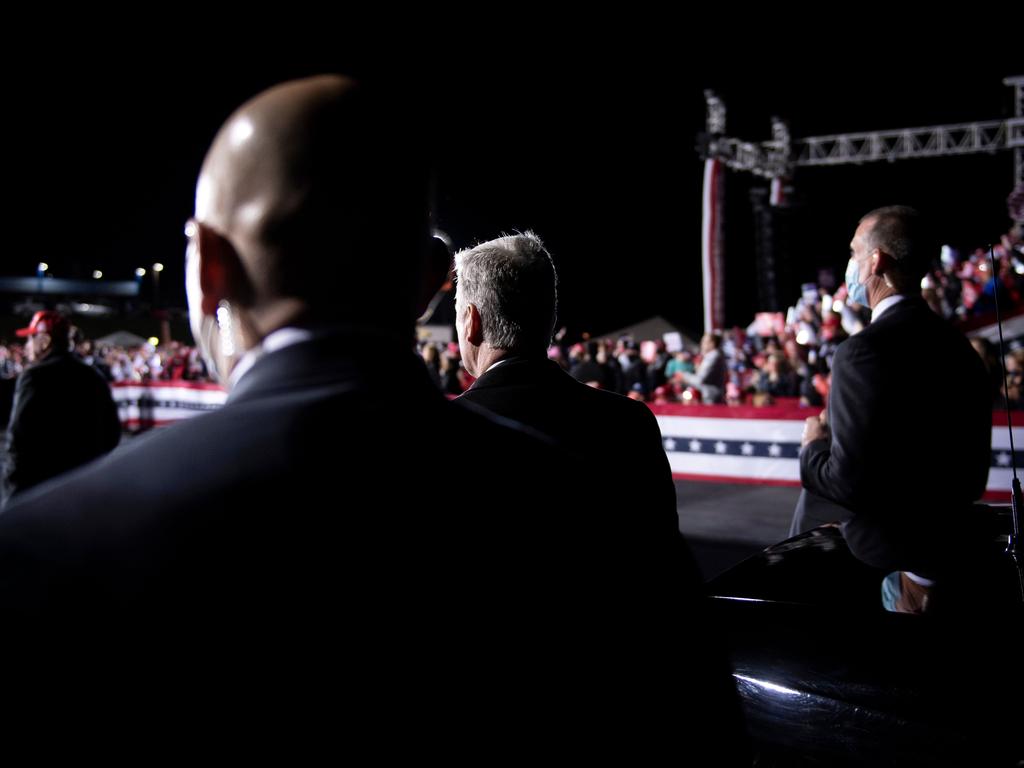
[505,303]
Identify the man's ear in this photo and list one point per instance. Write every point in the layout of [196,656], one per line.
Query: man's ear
[881,262]
[221,275]
[473,326]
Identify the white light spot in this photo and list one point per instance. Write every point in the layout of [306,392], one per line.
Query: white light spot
[240,132]
[204,198]
[769,686]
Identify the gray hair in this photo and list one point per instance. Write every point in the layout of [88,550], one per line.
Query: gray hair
[513,284]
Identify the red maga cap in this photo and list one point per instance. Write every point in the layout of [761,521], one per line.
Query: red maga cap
[46,321]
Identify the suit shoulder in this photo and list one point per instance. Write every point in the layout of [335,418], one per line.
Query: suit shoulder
[171,457]
[623,410]
[28,377]
[625,404]
[468,416]
[859,345]
[614,400]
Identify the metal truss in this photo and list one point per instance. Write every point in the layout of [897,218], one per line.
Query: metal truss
[778,157]
[905,144]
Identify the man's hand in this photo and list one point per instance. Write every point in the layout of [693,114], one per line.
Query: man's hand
[815,428]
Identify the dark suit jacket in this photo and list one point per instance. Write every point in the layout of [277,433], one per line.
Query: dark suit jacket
[340,529]
[617,436]
[645,562]
[62,417]
[911,424]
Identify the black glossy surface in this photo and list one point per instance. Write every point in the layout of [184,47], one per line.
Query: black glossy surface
[828,677]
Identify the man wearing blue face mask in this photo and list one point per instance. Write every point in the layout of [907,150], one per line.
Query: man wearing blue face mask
[856,290]
[891,460]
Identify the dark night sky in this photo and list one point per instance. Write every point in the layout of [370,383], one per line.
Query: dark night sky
[597,157]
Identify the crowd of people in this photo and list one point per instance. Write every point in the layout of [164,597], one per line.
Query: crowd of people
[749,366]
[787,358]
[174,361]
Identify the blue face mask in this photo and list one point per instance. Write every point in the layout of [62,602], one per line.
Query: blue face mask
[854,288]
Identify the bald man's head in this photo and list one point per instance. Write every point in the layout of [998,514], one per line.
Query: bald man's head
[317,184]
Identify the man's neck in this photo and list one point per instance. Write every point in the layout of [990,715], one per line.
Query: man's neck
[488,356]
[880,292]
[50,354]
[885,304]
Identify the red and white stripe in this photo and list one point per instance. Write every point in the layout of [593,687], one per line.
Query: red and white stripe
[711,246]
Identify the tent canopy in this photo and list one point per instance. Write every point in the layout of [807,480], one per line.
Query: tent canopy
[122,339]
[652,328]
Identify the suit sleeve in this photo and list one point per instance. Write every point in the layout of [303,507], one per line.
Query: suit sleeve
[833,468]
[23,442]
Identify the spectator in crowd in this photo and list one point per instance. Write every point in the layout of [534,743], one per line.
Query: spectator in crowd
[656,367]
[588,370]
[634,370]
[777,379]
[62,415]
[432,362]
[681,362]
[711,376]
[453,377]
[1011,394]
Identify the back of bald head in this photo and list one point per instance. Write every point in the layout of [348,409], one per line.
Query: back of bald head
[313,180]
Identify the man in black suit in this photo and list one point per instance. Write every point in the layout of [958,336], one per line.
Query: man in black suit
[505,306]
[291,557]
[905,446]
[505,312]
[63,415]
